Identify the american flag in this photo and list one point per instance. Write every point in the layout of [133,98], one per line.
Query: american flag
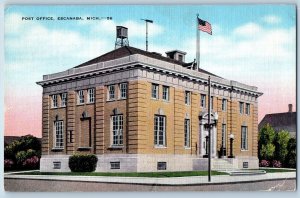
[204,26]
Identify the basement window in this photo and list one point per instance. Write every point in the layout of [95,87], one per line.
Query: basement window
[161,165]
[56,165]
[245,164]
[114,165]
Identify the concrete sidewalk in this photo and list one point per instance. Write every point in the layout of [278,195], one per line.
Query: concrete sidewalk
[193,180]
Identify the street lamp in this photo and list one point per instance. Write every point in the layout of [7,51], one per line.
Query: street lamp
[231,137]
[208,126]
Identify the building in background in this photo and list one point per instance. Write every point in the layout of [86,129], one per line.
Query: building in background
[281,121]
[141,111]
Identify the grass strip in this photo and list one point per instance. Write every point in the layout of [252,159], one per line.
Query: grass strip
[129,174]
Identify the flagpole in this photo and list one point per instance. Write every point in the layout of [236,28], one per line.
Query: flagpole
[198,43]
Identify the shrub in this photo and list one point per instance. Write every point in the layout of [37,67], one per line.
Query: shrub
[21,156]
[276,164]
[32,162]
[8,164]
[83,163]
[264,163]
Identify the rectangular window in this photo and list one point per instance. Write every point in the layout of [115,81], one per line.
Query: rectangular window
[70,136]
[247,108]
[187,97]
[64,99]
[54,101]
[111,92]
[244,138]
[155,91]
[91,95]
[224,135]
[165,93]
[117,130]
[115,165]
[80,97]
[123,90]
[245,164]
[203,101]
[211,102]
[180,58]
[161,165]
[241,108]
[187,133]
[159,130]
[58,134]
[224,104]
[56,165]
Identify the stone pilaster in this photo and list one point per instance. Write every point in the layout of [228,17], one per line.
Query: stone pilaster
[99,120]
[178,120]
[70,133]
[195,123]
[255,132]
[45,124]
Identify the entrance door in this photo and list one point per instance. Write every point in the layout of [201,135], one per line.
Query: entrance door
[203,133]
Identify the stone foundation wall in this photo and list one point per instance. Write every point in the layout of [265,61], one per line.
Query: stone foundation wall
[144,163]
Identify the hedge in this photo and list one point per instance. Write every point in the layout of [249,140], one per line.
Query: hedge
[83,162]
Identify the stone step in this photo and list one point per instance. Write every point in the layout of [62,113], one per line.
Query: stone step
[222,164]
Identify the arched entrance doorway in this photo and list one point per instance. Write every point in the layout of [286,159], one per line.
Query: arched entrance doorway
[203,119]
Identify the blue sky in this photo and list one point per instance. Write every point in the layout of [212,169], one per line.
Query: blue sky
[252,44]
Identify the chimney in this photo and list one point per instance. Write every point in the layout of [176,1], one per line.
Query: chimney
[290,108]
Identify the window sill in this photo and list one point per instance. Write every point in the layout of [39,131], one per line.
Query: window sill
[116,147]
[57,149]
[61,107]
[167,101]
[111,100]
[84,148]
[160,147]
[122,98]
[80,104]
[88,103]
[187,148]
[244,150]
[156,99]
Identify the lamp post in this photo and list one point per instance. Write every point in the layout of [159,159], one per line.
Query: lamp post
[231,137]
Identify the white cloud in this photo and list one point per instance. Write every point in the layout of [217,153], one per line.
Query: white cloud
[248,29]
[248,59]
[271,19]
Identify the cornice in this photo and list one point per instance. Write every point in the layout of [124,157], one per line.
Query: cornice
[140,62]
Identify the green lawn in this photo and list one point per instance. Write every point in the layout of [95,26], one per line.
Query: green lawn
[131,174]
[276,170]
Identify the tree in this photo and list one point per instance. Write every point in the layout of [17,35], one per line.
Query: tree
[266,148]
[281,143]
[267,151]
[290,159]
[21,150]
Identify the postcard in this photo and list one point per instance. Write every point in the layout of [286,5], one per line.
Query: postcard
[150,97]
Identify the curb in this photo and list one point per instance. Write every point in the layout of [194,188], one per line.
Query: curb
[182,181]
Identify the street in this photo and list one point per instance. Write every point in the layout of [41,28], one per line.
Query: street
[31,185]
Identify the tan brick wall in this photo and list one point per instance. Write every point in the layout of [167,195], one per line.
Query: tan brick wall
[138,122]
